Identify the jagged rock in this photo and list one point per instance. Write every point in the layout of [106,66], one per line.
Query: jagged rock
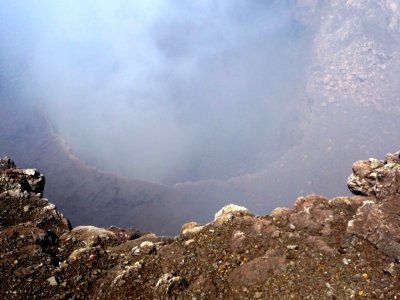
[311,213]
[257,270]
[52,280]
[319,244]
[123,234]
[228,212]
[168,284]
[6,163]
[376,220]
[191,228]
[281,213]
[376,178]
[380,225]
[91,236]
[339,248]
[147,247]
[20,180]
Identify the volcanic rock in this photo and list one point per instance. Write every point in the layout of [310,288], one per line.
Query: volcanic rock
[339,248]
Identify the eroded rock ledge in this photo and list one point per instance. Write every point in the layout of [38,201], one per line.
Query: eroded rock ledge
[340,248]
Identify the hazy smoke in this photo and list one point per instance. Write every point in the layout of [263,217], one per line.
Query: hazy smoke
[160,90]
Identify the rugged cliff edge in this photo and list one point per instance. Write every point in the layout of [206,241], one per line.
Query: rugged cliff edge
[340,248]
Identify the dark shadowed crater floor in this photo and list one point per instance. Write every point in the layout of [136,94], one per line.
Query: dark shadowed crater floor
[333,137]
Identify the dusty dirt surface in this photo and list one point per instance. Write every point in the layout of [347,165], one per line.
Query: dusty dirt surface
[339,248]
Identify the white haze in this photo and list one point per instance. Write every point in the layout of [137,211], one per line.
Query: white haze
[165,91]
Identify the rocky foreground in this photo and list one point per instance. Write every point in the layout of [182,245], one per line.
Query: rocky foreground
[340,248]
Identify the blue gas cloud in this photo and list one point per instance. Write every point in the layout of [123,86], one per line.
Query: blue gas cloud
[165,91]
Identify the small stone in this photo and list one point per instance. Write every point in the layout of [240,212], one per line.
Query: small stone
[292,247]
[27,208]
[275,234]
[389,269]
[52,280]
[191,228]
[30,172]
[375,163]
[330,293]
[92,257]
[346,261]
[135,251]
[188,242]
[228,212]
[356,277]
[146,244]
[148,247]
[328,285]
[280,212]
[138,265]
[168,283]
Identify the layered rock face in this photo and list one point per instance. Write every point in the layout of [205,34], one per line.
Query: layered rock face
[355,51]
[339,248]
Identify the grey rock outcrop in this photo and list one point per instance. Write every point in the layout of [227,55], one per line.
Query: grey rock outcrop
[377,219]
[376,177]
[17,180]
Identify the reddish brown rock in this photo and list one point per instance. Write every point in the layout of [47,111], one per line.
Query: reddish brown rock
[256,271]
[340,248]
